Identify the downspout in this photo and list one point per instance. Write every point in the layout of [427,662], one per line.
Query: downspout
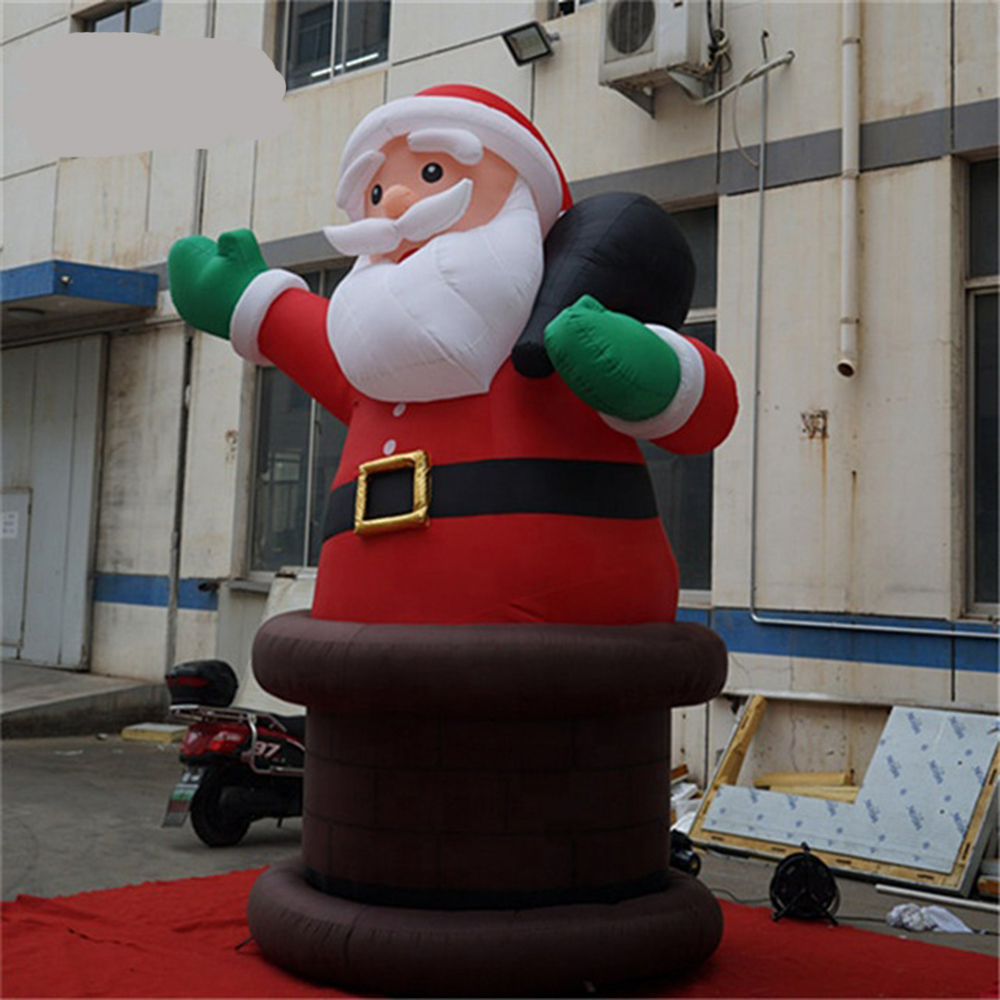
[850,164]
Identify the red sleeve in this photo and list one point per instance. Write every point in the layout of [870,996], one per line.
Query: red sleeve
[293,336]
[715,414]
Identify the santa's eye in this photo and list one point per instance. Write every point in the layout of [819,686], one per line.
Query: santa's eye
[432,173]
[376,194]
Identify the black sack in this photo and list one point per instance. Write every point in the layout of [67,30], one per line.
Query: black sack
[624,250]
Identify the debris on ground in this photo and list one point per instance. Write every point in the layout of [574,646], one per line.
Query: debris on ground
[912,917]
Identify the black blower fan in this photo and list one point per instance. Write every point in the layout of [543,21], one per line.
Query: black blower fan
[803,887]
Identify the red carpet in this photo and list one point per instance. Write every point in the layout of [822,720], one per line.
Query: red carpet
[179,939]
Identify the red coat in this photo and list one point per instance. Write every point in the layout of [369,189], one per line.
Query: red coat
[489,567]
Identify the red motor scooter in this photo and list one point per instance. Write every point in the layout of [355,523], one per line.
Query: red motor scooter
[240,764]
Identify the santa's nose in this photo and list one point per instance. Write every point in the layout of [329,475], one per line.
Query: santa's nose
[397,199]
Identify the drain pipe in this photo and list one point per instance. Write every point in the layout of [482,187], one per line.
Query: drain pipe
[850,165]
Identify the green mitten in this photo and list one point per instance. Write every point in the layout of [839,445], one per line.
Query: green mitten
[207,280]
[612,362]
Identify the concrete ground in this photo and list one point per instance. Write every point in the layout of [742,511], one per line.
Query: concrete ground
[83,813]
[46,701]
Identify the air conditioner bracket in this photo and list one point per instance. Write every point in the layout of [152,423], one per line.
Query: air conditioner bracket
[643,97]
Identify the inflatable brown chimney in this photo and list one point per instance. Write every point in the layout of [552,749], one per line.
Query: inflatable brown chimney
[491,657]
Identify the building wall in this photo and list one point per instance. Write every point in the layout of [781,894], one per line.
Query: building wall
[867,520]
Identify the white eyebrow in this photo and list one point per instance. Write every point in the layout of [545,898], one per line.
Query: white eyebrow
[356,177]
[463,145]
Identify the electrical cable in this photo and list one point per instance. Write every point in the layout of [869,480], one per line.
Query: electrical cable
[748,77]
[736,899]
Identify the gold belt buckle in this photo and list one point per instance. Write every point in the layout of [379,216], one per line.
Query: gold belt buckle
[415,518]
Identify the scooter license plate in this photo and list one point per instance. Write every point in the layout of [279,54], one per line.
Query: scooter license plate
[179,803]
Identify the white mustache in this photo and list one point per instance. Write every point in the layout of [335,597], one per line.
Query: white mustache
[419,222]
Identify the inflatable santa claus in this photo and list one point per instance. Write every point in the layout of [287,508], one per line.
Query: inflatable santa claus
[491,658]
[496,354]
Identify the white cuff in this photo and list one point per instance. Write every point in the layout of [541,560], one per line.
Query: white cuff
[686,399]
[244,327]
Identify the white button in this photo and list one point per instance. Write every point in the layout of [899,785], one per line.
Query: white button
[399,409]
[389,447]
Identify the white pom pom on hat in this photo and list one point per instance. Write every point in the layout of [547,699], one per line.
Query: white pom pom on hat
[502,128]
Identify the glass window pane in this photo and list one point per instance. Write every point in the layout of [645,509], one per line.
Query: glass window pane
[111,22]
[683,486]
[332,277]
[281,474]
[144,17]
[310,34]
[365,37]
[986,469]
[983,218]
[701,228]
[329,442]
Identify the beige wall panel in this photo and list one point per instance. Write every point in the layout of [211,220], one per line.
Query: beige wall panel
[828,537]
[879,683]
[687,741]
[188,19]
[101,209]
[18,155]
[240,614]
[29,208]
[421,26]
[239,21]
[229,186]
[485,64]
[171,200]
[129,640]
[142,419]
[297,170]
[594,130]
[978,690]
[213,448]
[976,33]
[195,635]
[22,16]
[803,484]
[803,97]
[902,410]
[905,51]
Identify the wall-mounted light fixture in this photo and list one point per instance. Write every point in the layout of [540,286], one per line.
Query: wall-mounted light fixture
[529,42]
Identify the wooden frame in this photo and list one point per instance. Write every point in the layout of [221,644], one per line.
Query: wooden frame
[959,880]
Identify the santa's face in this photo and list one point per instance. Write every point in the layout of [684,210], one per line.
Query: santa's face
[452,261]
[407,177]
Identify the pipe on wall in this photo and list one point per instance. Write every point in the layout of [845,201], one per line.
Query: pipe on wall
[850,168]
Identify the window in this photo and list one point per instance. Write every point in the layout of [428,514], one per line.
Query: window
[560,8]
[983,294]
[141,16]
[320,39]
[683,483]
[298,446]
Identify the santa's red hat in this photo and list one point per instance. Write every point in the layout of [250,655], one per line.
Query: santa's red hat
[495,122]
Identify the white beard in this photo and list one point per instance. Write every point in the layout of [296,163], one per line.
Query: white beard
[440,324]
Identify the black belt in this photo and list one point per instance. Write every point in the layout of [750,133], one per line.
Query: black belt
[394,488]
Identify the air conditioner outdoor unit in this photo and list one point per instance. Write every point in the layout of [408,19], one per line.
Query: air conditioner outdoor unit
[645,43]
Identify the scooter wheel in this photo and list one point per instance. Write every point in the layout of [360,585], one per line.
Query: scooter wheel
[217,823]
